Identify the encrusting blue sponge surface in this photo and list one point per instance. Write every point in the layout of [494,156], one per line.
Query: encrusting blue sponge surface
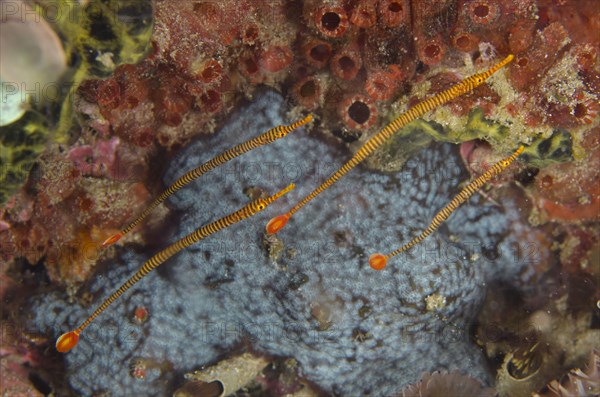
[353,330]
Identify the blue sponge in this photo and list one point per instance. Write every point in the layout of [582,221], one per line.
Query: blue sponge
[353,330]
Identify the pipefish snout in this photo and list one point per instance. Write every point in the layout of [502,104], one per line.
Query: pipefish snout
[69,340]
[418,110]
[264,139]
[378,261]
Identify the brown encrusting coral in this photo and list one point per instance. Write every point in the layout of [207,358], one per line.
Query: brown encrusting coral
[373,44]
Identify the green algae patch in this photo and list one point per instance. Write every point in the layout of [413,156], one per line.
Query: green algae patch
[97,37]
[20,145]
[540,152]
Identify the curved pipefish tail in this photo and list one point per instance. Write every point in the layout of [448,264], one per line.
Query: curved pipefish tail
[418,110]
[264,139]
[378,261]
[69,340]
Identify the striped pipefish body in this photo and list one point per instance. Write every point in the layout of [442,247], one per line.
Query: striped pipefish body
[378,261]
[264,139]
[418,110]
[69,340]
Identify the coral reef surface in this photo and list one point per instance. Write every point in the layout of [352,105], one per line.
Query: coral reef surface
[147,78]
[353,331]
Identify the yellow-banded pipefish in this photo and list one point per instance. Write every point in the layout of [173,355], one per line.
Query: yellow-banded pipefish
[69,340]
[378,261]
[263,139]
[466,85]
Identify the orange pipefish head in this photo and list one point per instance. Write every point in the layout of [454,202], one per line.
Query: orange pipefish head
[377,261]
[262,203]
[502,63]
[67,341]
[281,192]
[305,120]
[480,78]
[520,150]
[277,223]
[282,131]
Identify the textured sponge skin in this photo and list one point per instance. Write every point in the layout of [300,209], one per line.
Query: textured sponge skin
[353,330]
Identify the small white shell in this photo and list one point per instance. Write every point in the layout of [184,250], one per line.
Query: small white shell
[233,374]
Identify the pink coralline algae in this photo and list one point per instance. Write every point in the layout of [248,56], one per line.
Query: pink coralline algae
[14,365]
[96,161]
[85,194]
